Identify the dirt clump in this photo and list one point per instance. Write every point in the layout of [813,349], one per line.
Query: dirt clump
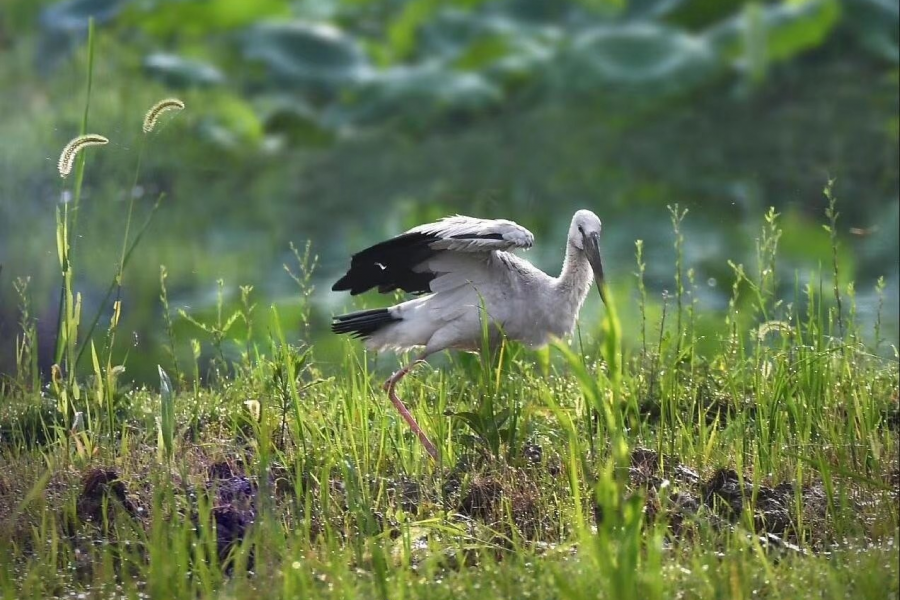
[483,498]
[719,500]
[103,494]
[508,501]
[234,504]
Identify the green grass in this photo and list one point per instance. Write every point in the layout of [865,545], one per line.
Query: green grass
[749,452]
[279,476]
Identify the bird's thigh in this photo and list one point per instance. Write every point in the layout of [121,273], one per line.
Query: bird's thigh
[464,333]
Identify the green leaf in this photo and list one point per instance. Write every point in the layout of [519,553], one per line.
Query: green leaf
[297,120]
[473,420]
[483,52]
[166,420]
[198,18]
[787,29]
[501,418]
[874,22]
[418,94]
[646,58]
[176,71]
[401,33]
[73,15]
[314,57]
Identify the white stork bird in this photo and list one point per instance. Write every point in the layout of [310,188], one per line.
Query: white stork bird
[466,268]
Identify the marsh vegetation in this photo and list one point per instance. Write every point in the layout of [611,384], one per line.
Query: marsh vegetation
[175,422]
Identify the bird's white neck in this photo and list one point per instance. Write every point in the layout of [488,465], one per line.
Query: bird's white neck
[574,281]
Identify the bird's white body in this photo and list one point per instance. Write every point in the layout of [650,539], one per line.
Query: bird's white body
[474,273]
[525,303]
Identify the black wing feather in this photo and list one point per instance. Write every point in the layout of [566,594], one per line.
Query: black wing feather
[389,266]
[364,323]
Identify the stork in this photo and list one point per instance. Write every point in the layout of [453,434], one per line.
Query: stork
[463,269]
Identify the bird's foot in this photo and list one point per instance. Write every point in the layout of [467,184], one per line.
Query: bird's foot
[393,379]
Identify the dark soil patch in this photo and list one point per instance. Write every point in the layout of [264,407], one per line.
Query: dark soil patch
[728,495]
[223,470]
[103,493]
[235,504]
[721,499]
[406,494]
[506,500]
[483,498]
[533,453]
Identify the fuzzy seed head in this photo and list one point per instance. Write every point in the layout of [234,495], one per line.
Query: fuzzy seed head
[70,152]
[152,116]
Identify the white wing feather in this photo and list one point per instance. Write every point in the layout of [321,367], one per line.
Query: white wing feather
[468,234]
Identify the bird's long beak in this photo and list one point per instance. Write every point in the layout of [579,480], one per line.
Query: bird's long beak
[592,250]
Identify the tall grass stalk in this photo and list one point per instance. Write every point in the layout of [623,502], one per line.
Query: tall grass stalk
[876,327]
[832,215]
[27,372]
[166,419]
[128,246]
[114,283]
[677,216]
[171,346]
[642,295]
[70,232]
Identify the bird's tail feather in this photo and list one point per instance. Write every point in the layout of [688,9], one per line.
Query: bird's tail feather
[364,323]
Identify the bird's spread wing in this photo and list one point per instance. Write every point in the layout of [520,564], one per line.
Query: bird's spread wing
[466,234]
[408,261]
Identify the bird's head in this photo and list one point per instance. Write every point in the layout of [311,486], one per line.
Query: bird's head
[584,235]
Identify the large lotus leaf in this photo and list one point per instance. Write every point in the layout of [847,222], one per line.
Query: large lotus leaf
[504,53]
[782,30]
[230,122]
[418,94]
[315,57]
[293,119]
[507,59]
[507,51]
[645,57]
[64,27]
[697,15]
[501,48]
[448,33]
[402,31]
[877,26]
[73,15]
[452,32]
[542,11]
[177,71]
[651,9]
[182,18]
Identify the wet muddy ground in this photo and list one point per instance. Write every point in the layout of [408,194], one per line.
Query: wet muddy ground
[504,499]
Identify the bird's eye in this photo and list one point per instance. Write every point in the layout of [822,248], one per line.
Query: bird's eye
[581,230]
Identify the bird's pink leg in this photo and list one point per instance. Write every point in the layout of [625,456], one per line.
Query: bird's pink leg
[389,386]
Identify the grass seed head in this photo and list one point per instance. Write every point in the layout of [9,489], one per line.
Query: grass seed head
[70,152]
[152,116]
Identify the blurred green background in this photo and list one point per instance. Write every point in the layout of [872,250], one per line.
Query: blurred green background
[341,122]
